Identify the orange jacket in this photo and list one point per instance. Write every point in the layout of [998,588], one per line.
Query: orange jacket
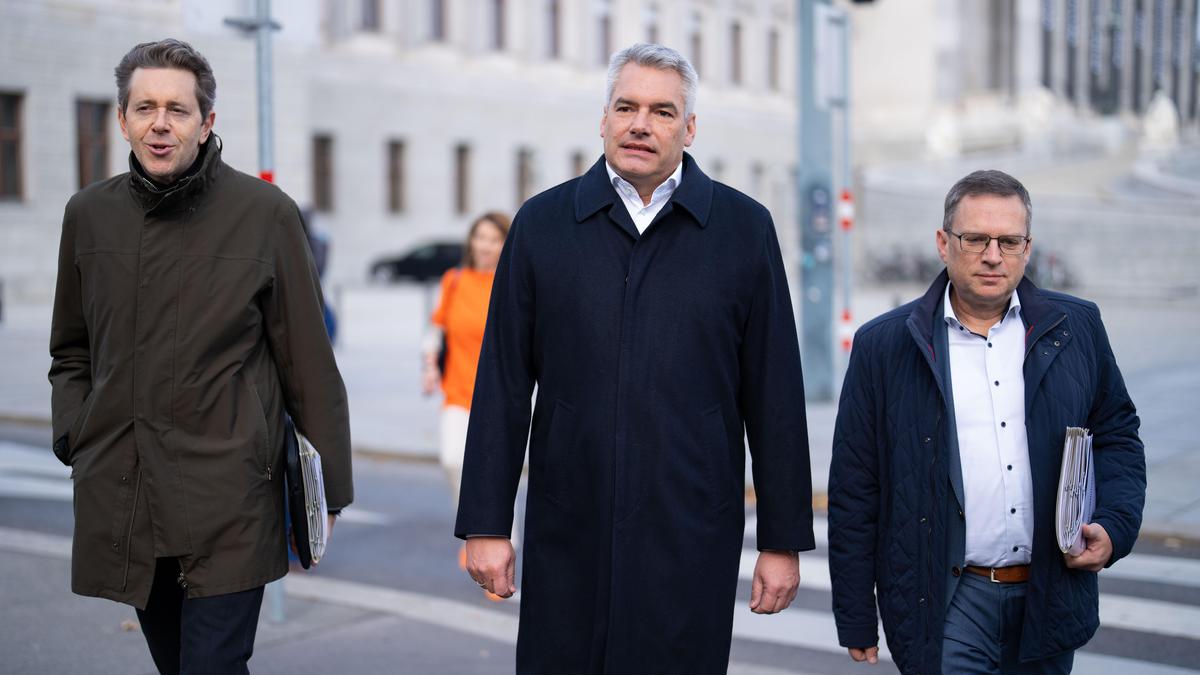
[462,314]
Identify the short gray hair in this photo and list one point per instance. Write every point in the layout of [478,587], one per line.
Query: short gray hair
[986,182]
[654,56]
[168,53]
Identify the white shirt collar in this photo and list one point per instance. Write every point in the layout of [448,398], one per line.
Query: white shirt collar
[1014,308]
[628,191]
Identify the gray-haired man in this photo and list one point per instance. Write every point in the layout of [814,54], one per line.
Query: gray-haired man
[649,305]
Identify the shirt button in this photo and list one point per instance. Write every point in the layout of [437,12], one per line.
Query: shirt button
[1004,424]
[1010,467]
[997,383]
[1014,549]
[989,344]
[1012,510]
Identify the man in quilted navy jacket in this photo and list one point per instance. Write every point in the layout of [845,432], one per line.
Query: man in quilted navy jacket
[947,451]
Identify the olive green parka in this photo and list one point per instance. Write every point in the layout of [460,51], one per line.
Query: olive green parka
[187,319]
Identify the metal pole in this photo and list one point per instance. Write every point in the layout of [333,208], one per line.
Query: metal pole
[262,25]
[816,198]
[847,250]
[266,139]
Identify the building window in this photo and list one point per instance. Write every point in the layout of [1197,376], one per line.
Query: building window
[696,43]
[524,175]
[395,174]
[10,146]
[370,19]
[462,178]
[773,60]
[553,29]
[498,36]
[91,140]
[579,163]
[322,159]
[437,20]
[603,31]
[650,20]
[735,53]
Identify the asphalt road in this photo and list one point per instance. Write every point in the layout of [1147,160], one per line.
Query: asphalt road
[390,598]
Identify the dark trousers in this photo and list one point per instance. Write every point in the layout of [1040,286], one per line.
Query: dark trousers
[198,635]
[983,632]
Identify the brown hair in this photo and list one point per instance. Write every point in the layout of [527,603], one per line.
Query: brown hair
[168,53]
[497,218]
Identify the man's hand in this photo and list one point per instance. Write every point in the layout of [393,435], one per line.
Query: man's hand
[776,577]
[492,564]
[1096,555]
[870,654]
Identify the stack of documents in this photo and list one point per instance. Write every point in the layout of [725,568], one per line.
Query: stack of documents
[1076,491]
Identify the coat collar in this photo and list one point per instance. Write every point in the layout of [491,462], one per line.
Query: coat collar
[694,194]
[152,196]
[1036,308]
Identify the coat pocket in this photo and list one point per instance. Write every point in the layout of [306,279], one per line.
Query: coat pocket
[262,452]
[75,437]
[715,459]
[560,445]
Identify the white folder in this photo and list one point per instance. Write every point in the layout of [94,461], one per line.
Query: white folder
[1076,491]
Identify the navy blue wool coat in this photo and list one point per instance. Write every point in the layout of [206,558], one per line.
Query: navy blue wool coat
[652,354]
[892,508]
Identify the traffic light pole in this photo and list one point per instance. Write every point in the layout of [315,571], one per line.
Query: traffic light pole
[816,201]
[261,26]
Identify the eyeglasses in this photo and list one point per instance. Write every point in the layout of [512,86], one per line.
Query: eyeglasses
[974,242]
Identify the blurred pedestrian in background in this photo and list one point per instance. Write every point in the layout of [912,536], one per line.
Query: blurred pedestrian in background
[450,352]
[187,323]
[318,243]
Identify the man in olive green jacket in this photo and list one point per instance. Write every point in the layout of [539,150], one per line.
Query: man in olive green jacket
[187,321]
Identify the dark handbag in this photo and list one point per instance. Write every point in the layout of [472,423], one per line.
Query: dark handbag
[305,496]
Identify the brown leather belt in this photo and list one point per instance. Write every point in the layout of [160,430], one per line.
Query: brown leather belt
[1001,575]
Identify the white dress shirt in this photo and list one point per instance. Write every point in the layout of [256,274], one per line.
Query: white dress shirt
[989,409]
[643,214]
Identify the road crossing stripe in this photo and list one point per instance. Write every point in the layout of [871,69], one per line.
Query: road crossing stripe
[808,629]
[1116,611]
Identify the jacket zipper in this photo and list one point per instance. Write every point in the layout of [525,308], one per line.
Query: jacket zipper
[137,486]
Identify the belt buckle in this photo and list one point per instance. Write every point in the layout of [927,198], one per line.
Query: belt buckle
[992,575]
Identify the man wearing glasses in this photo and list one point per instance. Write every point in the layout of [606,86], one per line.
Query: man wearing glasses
[947,452]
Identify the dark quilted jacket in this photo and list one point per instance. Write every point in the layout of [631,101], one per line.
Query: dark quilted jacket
[890,491]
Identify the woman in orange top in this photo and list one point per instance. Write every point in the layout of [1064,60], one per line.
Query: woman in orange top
[460,316]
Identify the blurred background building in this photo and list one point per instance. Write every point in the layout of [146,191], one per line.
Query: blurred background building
[396,121]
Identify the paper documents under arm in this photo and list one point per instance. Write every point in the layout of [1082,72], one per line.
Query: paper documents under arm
[1076,491]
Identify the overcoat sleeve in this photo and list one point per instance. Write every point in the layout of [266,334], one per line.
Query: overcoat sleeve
[313,391]
[1118,452]
[500,407]
[70,352]
[854,503]
[772,402]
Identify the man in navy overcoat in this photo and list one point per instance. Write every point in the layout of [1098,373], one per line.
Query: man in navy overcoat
[649,305]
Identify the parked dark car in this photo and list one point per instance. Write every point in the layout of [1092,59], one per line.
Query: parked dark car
[426,262]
